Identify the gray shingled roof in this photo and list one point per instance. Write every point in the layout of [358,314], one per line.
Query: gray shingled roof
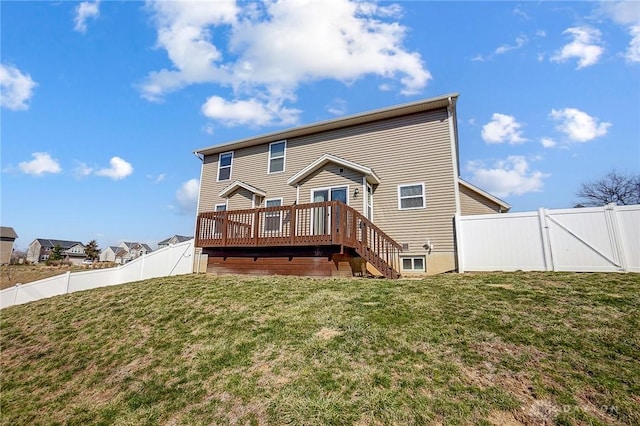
[180,238]
[64,244]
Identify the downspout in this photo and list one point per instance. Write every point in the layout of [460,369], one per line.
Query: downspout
[195,225]
[453,137]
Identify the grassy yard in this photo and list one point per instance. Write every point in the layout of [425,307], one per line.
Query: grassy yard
[521,348]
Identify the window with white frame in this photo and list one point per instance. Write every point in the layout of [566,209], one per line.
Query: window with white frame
[413,264]
[276,156]
[411,196]
[272,220]
[225,161]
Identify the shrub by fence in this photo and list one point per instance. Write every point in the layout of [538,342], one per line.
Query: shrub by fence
[173,260]
[598,239]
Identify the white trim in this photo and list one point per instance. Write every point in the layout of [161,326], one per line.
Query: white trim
[366,207]
[454,152]
[230,166]
[328,188]
[225,204]
[371,176]
[424,196]
[284,157]
[239,184]
[363,193]
[278,214]
[413,258]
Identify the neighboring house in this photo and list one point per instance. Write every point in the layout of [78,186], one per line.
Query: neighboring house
[7,237]
[125,252]
[173,240]
[41,249]
[109,254]
[380,187]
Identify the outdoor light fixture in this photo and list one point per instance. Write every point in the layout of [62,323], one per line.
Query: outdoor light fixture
[356,192]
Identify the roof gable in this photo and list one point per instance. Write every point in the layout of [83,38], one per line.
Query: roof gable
[328,158]
[239,184]
[485,194]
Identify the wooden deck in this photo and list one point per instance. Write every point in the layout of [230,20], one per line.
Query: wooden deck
[314,224]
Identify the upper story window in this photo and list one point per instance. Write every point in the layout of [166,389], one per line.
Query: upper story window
[411,196]
[224,165]
[276,156]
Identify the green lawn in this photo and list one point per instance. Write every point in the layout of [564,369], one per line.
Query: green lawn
[520,348]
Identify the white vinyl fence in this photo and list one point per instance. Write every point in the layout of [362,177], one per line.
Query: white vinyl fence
[598,239]
[173,260]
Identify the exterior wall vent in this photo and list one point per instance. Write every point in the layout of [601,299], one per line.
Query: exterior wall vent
[405,246]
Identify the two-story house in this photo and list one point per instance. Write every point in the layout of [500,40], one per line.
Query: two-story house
[381,186]
[125,252]
[176,239]
[42,248]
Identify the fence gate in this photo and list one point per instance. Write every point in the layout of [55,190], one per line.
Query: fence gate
[583,242]
[599,239]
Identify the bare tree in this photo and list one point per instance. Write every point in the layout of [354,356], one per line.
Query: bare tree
[614,187]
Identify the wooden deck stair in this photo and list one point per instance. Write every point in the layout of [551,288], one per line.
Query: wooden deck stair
[313,224]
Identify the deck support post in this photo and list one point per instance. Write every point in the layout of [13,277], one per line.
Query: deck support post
[292,224]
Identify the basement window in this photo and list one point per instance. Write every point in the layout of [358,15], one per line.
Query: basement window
[413,264]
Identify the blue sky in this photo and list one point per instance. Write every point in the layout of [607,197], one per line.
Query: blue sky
[104,102]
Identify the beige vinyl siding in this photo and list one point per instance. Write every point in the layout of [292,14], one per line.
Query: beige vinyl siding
[473,203]
[408,149]
[330,176]
[240,200]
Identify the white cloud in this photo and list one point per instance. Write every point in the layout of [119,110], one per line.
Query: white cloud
[586,47]
[502,128]
[520,42]
[264,51]
[507,177]
[633,51]
[622,12]
[16,88]
[187,196]
[82,170]
[337,107]
[518,11]
[248,112]
[209,128]
[84,11]
[157,179]
[119,169]
[578,125]
[626,13]
[42,163]
[548,142]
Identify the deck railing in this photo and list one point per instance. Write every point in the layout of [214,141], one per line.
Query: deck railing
[325,223]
